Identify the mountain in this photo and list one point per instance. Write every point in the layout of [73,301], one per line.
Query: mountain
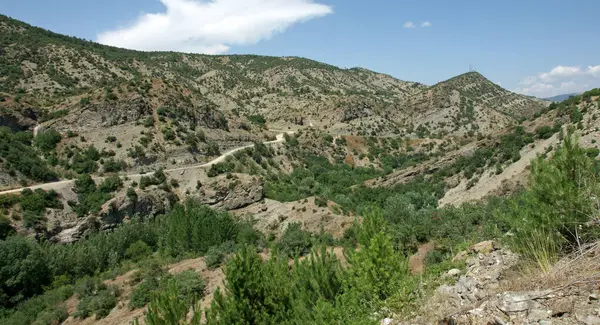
[466,104]
[560,98]
[169,109]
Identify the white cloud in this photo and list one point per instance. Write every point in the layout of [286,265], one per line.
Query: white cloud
[561,80]
[426,24]
[409,24]
[211,27]
[560,72]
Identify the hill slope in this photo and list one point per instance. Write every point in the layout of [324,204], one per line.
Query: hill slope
[466,104]
[150,109]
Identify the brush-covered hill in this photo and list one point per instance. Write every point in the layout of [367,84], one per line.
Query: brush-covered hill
[466,105]
[141,110]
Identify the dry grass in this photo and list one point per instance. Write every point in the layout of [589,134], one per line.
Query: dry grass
[578,268]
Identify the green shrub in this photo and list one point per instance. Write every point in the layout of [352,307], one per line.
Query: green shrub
[295,241]
[113,166]
[216,254]
[142,293]
[221,168]
[320,201]
[258,120]
[138,251]
[544,132]
[24,271]
[18,154]
[190,285]
[6,228]
[47,140]
[167,308]
[99,304]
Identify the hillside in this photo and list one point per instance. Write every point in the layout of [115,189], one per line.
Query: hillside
[136,184]
[467,104]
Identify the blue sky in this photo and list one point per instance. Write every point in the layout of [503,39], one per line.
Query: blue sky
[536,47]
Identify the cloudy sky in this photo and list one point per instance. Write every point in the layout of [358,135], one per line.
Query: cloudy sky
[535,47]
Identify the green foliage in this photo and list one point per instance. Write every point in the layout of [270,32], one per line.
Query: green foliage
[320,202]
[6,228]
[221,168]
[34,204]
[295,241]
[92,197]
[53,115]
[168,308]
[47,140]
[195,228]
[95,298]
[559,202]
[142,294]
[212,149]
[138,251]
[18,154]
[23,271]
[545,132]
[216,254]
[43,309]
[258,120]
[113,166]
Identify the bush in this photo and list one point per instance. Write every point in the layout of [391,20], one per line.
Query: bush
[47,140]
[190,285]
[138,251]
[23,270]
[216,254]
[113,166]
[99,304]
[295,241]
[221,168]
[320,201]
[544,132]
[258,120]
[142,293]
[212,149]
[18,154]
[6,228]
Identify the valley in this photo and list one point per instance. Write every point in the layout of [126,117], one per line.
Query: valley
[134,184]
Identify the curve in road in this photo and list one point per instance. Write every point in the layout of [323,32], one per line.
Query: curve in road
[56,185]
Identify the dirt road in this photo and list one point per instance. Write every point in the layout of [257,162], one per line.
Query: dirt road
[68,183]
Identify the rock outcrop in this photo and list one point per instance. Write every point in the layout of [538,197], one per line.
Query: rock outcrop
[356,111]
[480,296]
[148,204]
[109,114]
[237,192]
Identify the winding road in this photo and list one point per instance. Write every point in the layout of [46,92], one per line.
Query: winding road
[62,184]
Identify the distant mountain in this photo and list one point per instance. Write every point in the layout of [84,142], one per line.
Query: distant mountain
[560,98]
[467,104]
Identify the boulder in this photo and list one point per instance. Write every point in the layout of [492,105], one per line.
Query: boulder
[149,203]
[230,194]
[562,306]
[485,247]
[453,273]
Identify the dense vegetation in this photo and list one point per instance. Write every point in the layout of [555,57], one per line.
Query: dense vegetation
[376,281]
[29,268]
[18,154]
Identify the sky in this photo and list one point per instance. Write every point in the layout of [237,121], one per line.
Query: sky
[541,48]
